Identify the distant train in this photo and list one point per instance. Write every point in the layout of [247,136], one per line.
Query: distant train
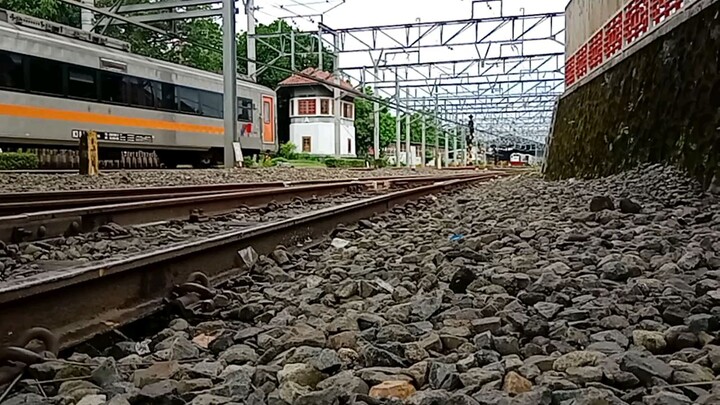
[522,159]
[57,82]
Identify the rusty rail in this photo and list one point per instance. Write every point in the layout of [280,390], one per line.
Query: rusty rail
[77,304]
[46,224]
[24,202]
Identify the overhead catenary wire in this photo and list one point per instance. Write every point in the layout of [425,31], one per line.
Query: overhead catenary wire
[179,37]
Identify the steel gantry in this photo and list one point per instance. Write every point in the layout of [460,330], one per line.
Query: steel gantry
[504,69]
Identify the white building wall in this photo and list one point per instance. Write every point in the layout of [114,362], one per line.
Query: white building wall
[347,136]
[322,137]
[320,128]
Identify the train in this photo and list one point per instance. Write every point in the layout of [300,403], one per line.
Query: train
[58,82]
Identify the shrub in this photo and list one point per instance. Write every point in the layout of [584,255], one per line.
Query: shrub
[307,156]
[287,151]
[268,162]
[249,162]
[18,161]
[344,163]
[379,163]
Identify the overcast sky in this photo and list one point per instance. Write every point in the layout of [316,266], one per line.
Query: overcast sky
[355,13]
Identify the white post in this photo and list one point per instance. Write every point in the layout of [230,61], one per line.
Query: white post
[86,16]
[251,50]
[229,82]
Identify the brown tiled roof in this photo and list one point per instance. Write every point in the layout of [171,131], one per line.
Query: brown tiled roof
[297,80]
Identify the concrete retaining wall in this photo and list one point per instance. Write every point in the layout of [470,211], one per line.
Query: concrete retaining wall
[660,102]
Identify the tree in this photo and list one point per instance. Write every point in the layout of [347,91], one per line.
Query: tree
[53,10]
[365,122]
[275,51]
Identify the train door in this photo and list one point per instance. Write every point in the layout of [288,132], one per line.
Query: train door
[268,114]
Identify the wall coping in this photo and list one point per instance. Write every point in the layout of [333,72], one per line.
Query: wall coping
[694,8]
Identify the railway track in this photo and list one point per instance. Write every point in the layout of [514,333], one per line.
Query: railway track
[79,303]
[33,216]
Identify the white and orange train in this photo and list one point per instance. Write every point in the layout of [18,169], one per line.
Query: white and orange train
[57,81]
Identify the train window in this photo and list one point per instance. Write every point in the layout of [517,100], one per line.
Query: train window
[189,100]
[82,83]
[12,74]
[211,104]
[169,98]
[266,111]
[245,108]
[139,97]
[46,76]
[153,92]
[113,88]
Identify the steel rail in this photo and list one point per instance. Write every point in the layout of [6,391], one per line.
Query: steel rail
[17,202]
[47,224]
[77,304]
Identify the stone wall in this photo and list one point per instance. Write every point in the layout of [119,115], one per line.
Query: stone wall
[660,104]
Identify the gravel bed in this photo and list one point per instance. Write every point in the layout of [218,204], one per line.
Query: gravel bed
[114,242]
[160,178]
[518,292]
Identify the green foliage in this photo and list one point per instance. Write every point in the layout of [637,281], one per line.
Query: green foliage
[18,161]
[287,151]
[309,157]
[306,48]
[267,161]
[379,163]
[54,10]
[344,163]
[249,162]
[365,122]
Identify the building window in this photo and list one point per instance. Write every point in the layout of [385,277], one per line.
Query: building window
[349,146]
[306,145]
[325,106]
[307,106]
[348,110]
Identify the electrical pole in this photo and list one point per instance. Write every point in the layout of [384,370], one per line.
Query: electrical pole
[229,82]
[251,49]
[408,157]
[455,149]
[337,95]
[86,16]
[438,165]
[397,120]
[320,50]
[292,50]
[376,113]
[423,149]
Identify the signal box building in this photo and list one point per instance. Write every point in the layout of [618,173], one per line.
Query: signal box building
[306,115]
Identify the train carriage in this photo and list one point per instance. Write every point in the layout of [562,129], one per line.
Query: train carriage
[57,81]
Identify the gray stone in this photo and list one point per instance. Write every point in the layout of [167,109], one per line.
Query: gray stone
[443,376]
[645,367]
